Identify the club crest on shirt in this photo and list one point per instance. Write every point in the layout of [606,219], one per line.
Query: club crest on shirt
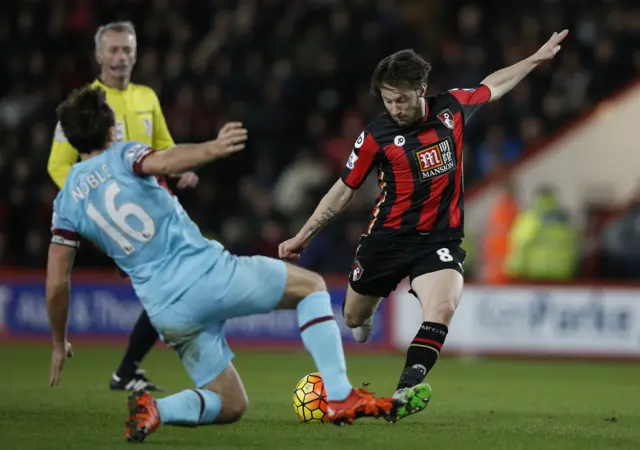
[134,151]
[356,271]
[446,118]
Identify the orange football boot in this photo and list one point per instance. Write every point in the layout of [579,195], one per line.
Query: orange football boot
[362,403]
[144,417]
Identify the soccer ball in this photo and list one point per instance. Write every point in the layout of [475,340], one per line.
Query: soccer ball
[310,399]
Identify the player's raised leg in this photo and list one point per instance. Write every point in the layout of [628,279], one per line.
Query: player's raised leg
[306,292]
[358,310]
[439,294]
[258,285]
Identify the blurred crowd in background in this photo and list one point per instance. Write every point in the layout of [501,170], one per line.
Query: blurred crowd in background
[296,72]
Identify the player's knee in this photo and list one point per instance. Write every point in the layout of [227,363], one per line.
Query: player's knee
[233,408]
[316,283]
[235,412]
[442,310]
[312,282]
[353,320]
[300,284]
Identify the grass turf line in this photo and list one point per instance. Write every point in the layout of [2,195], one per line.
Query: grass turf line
[477,405]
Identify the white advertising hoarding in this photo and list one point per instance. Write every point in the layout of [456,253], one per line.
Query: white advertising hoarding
[534,320]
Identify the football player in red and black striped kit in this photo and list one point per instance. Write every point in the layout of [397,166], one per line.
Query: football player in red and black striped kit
[417,223]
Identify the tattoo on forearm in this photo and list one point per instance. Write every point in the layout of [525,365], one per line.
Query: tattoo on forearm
[323,220]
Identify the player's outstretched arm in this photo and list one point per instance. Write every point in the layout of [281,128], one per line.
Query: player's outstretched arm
[504,80]
[59,264]
[185,157]
[333,203]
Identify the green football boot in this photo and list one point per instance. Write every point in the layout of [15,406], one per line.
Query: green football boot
[414,399]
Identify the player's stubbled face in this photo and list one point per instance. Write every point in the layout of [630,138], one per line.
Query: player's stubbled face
[403,104]
[117,53]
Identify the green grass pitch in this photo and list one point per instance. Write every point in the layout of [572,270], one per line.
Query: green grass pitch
[477,405]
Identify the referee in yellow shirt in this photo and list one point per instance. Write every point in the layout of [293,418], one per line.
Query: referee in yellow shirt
[138,118]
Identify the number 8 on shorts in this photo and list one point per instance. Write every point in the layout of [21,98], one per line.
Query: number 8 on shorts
[444,254]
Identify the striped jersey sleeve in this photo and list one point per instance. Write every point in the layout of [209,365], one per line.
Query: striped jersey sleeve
[364,157]
[471,100]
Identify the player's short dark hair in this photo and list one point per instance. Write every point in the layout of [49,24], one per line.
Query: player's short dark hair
[403,69]
[85,118]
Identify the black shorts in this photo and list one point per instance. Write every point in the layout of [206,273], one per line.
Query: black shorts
[380,265]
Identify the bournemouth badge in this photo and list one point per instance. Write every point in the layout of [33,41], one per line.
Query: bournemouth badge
[446,118]
[356,272]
